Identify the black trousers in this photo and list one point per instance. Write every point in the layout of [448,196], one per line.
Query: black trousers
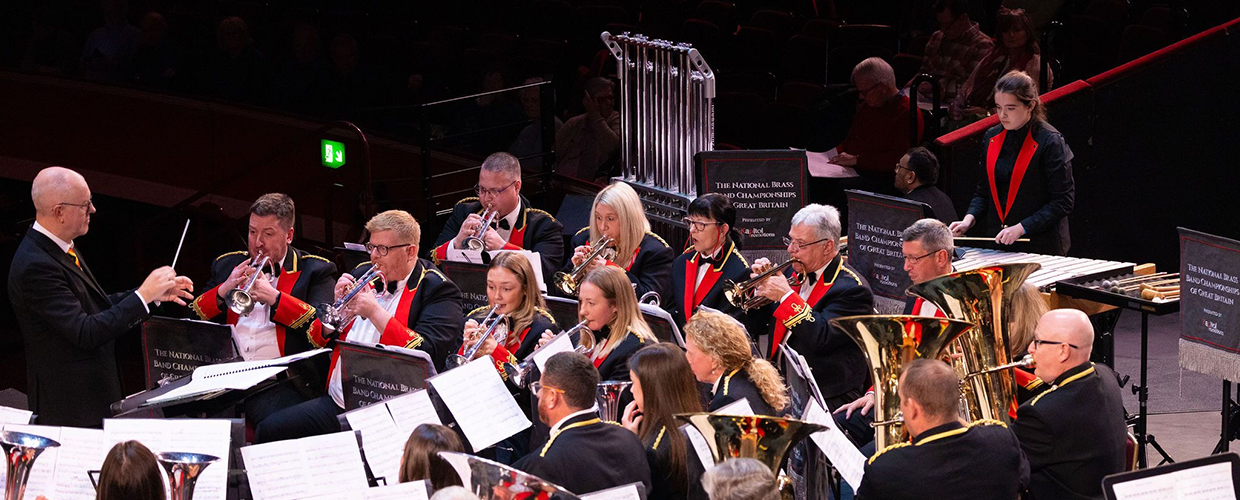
[311,418]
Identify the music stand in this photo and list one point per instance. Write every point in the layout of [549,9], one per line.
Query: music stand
[373,373]
[661,324]
[173,347]
[1168,481]
[563,310]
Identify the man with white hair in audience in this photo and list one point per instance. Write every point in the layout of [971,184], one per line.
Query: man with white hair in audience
[878,136]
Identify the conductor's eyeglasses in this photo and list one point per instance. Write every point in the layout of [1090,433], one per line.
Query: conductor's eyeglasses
[382,250]
[89,203]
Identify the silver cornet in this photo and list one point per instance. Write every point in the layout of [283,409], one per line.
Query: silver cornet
[239,300]
[333,317]
[476,242]
[568,282]
[519,375]
[455,360]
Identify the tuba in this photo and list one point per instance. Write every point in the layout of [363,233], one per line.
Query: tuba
[20,451]
[983,297]
[183,470]
[743,294]
[766,439]
[494,481]
[608,397]
[889,344]
[568,282]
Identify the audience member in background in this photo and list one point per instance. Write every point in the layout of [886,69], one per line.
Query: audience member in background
[663,386]
[237,71]
[155,63]
[587,141]
[109,49]
[529,140]
[50,49]
[350,83]
[954,50]
[299,83]
[879,132]
[740,479]
[421,459]
[1016,49]
[130,472]
[916,174]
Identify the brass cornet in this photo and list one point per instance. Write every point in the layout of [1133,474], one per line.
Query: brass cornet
[568,282]
[333,317]
[490,324]
[476,242]
[239,300]
[743,294]
[519,375]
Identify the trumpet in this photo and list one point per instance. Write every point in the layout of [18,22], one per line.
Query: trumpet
[568,282]
[475,242]
[519,375]
[455,360]
[1025,362]
[743,294]
[333,317]
[239,300]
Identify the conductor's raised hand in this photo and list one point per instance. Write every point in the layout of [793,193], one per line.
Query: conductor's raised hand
[163,285]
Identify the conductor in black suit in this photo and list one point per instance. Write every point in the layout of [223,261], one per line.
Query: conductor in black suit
[1074,433]
[68,322]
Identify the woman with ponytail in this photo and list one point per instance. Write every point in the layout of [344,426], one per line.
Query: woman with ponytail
[718,350]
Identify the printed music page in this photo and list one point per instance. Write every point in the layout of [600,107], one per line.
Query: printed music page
[81,450]
[480,402]
[411,410]
[820,166]
[206,436]
[413,490]
[382,443]
[14,416]
[626,492]
[41,481]
[328,465]
[738,407]
[700,446]
[471,256]
[535,260]
[1208,482]
[561,343]
[846,458]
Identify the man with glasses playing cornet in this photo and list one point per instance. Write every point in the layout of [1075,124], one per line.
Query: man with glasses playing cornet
[403,301]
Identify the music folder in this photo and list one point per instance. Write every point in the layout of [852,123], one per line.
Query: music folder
[1210,478]
[371,373]
[173,347]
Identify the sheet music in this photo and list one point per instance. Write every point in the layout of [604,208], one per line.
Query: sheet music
[411,410]
[329,465]
[836,446]
[700,446]
[820,166]
[42,476]
[206,436]
[807,373]
[202,384]
[561,343]
[738,407]
[458,255]
[14,416]
[480,402]
[535,260]
[626,492]
[382,442]
[413,490]
[1208,482]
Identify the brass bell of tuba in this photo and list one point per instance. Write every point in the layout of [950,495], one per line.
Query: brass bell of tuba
[983,297]
[889,344]
[766,439]
[494,481]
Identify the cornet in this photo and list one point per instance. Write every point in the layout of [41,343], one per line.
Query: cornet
[519,375]
[476,242]
[239,300]
[333,316]
[568,282]
[455,360]
[744,294]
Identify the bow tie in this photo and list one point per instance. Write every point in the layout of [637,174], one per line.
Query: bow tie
[811,278]
[704,259]
[503,224]
[392,286]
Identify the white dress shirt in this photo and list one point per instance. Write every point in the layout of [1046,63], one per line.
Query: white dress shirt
[365,332]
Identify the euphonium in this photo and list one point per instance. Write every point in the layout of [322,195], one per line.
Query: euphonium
[766,439]
[889,343]
[183,470]
[333,317]
[519,375]
[239,300]
[494,481]
[743,294]
[568,282]
[20,451]
[455,360]
[476,242]
[983,297]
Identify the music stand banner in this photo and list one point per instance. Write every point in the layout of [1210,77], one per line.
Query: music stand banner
[370,374]
[1209,316]
[174,347]
[875,223]
[471,279]
[767,187]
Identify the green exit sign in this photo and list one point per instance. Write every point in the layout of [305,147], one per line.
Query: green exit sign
[332,154]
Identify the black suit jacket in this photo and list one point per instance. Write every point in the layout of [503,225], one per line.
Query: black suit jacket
[736,386]
[837,362]
[651,269]
[542,233]
[940,203]
[659,456]
[589,458]
[980,462]
[1046,195]
[616,365]
[733,267]
[69,326]
[1074,434]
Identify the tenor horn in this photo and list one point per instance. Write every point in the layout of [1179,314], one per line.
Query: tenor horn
[766,439]
[183,471]
[494,481]
[889,344]
[983,297]
[20,451]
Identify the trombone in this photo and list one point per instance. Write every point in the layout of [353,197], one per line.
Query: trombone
[476,242]
[455,360]
[743,294]
[333,317]
[519,375]
[239,300]
[568,282]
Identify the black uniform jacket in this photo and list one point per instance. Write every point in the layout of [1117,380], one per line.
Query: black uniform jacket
[1074,434]
[982,461]
[650,270]
[589,455]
